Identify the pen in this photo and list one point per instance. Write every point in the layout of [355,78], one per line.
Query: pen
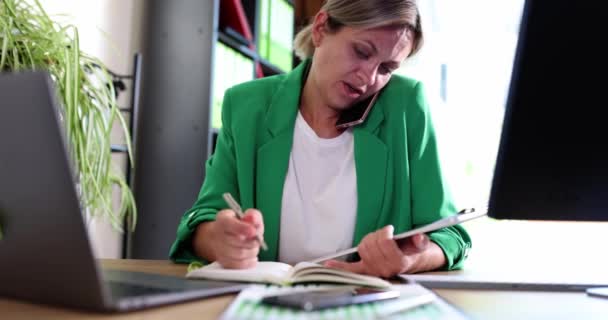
[239,214]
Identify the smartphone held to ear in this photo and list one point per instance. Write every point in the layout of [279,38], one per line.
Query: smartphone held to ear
[316,300]
[357,113]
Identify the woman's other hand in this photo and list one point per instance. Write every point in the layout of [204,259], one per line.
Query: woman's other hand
[382,256]
[230,241]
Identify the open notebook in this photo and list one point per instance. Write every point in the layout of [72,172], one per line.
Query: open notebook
[284,274]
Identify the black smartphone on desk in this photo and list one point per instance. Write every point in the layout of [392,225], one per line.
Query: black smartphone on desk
[316,300]
[357,113]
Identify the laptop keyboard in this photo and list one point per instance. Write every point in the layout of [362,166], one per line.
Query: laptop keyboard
[121,289]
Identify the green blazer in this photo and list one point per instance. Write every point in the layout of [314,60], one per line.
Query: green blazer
[399,180]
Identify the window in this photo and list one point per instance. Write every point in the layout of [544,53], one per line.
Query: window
[466,65]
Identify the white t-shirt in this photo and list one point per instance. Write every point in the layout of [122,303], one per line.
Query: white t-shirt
[319,204]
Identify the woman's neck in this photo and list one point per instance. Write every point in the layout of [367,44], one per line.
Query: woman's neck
[319,116]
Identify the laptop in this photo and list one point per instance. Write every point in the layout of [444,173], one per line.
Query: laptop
[45,253]
[497,280]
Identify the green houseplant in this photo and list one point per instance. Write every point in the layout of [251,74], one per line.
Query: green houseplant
[30,39]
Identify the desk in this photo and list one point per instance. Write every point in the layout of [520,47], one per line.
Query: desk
[480,304]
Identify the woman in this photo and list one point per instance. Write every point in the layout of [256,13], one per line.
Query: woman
[318,188]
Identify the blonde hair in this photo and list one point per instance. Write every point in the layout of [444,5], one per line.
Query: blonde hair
[364,14]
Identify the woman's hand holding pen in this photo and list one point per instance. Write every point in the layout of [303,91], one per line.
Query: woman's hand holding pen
[384,257]
[230,241]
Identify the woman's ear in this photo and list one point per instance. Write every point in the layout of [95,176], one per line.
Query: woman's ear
[319,28]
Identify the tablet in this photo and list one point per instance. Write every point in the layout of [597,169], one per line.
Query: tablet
[462,216]
[323,299]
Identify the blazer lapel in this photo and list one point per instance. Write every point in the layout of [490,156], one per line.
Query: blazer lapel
[273,157]
[371,157]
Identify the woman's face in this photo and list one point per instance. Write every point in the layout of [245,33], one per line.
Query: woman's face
[353,63]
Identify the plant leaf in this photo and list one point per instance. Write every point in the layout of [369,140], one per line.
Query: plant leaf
[30,39]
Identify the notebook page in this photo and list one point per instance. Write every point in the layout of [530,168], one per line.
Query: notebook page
[265,272]
[310,272]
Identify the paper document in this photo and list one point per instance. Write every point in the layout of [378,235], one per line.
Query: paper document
[414,300]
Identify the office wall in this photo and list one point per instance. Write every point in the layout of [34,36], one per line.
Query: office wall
[111,31]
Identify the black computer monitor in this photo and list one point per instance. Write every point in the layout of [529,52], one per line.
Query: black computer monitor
[552,161]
